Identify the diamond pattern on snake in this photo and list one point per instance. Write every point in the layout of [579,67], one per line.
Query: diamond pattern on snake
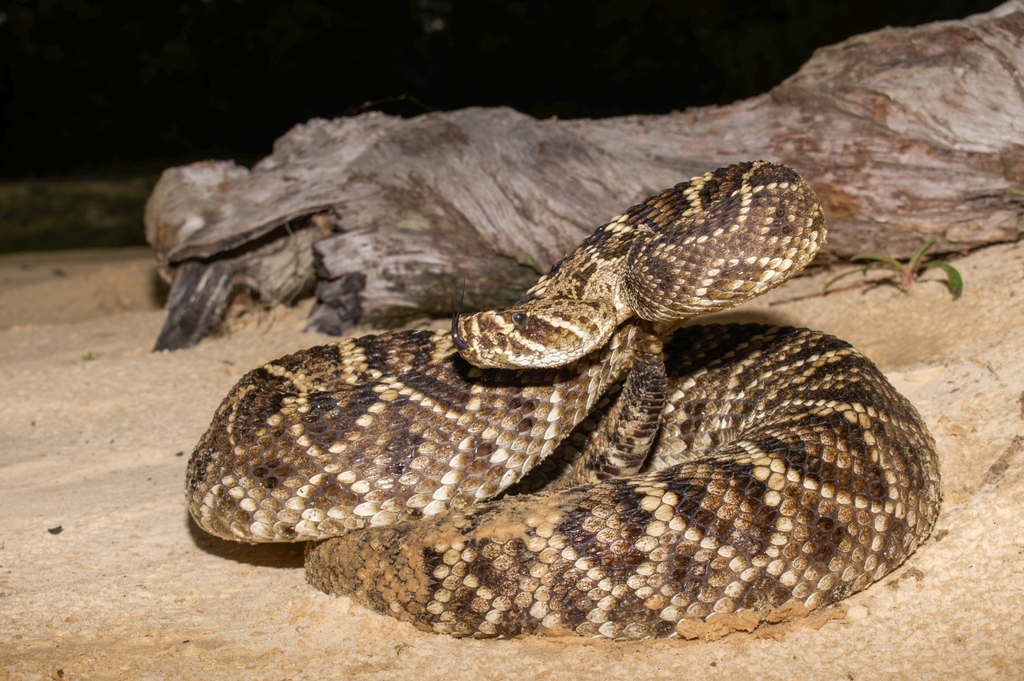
[582,462]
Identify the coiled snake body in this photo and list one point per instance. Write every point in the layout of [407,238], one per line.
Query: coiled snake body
[737,468]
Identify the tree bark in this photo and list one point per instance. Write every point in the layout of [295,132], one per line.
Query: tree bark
[905,133]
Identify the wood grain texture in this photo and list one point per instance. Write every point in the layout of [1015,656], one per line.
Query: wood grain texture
[904,133]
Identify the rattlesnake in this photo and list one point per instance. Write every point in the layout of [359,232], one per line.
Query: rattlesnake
[755,468]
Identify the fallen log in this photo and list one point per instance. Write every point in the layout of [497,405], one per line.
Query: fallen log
[905,133]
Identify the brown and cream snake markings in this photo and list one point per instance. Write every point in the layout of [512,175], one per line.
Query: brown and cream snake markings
[716,469]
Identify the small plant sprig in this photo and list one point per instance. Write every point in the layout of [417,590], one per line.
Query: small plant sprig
[905,273]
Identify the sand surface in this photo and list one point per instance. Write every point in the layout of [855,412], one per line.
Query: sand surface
[103,575]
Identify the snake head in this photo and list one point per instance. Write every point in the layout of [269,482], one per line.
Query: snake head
[746,229]
[538,334]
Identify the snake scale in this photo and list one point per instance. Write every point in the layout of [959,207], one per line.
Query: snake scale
[678,473]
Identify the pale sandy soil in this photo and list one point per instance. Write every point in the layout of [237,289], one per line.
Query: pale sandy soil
[97,430]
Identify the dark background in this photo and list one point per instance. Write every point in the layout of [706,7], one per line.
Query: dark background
[86,82]
[126,88]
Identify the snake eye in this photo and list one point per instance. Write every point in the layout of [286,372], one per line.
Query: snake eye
[519,318]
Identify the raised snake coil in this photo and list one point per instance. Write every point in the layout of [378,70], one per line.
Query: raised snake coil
[755,468]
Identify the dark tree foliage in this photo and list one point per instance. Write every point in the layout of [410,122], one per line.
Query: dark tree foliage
[85,83]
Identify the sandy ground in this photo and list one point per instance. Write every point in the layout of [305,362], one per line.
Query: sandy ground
[103,576]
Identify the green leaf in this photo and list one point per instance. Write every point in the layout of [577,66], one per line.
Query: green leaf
[953,279]
[874,265]
[891,262]
[913,262]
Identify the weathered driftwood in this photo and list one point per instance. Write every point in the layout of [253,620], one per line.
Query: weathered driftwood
[905,133]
